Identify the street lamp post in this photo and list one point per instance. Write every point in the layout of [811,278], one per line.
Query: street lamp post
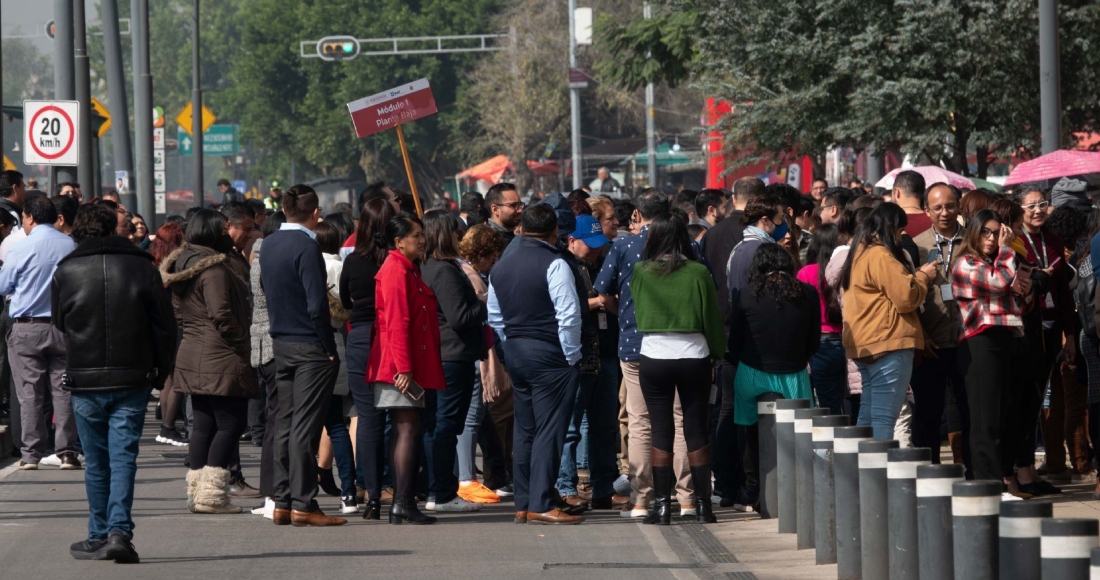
[1050,90]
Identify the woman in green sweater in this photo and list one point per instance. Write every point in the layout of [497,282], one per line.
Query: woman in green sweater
[682,339]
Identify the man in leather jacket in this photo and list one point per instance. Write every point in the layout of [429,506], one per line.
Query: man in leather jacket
[111,304]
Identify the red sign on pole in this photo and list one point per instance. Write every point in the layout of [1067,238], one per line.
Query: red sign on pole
[391,108]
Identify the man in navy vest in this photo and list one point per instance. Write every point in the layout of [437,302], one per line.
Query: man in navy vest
[536,311]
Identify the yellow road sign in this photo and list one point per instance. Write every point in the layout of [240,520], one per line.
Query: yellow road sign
[8,165]
[184,119]
[100,110]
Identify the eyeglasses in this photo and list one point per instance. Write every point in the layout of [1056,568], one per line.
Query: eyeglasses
[1041,206]
[513,205]
[988,233]
[944,208]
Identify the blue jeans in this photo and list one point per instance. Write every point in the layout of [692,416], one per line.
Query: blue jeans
[598,400]
[342,452]
[467,441]
[110,424]
[829,374]
[444,419]
[885,383]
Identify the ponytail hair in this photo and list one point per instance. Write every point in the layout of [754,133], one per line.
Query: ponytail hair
[299,202]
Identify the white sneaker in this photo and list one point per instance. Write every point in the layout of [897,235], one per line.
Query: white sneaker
[53,460]
[506,491]
[457,505]
[268,511]
[687,512]
[715,499]
[429,503]
[634,513]
[1009,497]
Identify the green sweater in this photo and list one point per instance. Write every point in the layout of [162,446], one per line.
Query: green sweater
[683,301]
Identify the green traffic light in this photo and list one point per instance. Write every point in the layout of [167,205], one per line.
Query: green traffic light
[349,47]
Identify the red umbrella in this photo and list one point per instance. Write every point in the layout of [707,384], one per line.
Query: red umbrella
[1061,163]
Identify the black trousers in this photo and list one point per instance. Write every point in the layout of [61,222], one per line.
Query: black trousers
[219,422]
[545,389]
[660,381]
[930,382]
[1040,355]
[304,377]
[370,430]
[986,362]
[266,374]
[726,453]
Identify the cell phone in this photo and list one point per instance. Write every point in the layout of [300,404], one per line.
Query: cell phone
[414,391]
[1024,271]
[933,256]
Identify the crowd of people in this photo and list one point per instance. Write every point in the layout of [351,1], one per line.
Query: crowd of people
[626,338]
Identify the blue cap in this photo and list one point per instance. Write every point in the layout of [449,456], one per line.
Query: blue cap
[590,232]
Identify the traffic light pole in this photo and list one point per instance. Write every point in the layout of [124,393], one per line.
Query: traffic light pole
[143,113]
[63,70]
[116,95]
[650,123]
[1049,77]
[196,108]
[84,170]
[575,102]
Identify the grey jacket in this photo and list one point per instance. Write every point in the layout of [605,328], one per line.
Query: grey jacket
[262,349]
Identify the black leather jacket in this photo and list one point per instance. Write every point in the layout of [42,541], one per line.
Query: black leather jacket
[110,302]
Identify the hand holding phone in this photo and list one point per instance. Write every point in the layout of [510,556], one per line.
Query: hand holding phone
[404,382]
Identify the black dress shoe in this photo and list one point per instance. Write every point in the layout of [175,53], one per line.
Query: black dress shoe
[120,550]
[373,511]
[87,549]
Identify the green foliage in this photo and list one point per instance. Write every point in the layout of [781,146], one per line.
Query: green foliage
[659,49]
[27,73]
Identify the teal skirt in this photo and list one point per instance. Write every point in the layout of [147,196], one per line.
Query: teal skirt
[751,383]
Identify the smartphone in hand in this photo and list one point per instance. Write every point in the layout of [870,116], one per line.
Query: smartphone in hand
[414,391]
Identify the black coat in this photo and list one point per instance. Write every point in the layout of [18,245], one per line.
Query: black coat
[110,302]
[462,316]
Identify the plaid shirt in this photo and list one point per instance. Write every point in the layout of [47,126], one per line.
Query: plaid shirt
[983,292]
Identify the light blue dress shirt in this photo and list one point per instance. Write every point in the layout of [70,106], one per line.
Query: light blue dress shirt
[567,310]
[299,227]
[29,268]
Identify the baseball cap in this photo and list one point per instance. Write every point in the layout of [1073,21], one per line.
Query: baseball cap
[590,232]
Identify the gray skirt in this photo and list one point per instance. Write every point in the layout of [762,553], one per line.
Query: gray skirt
[387,396]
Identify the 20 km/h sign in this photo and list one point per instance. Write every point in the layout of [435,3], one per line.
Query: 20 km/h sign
[50,132]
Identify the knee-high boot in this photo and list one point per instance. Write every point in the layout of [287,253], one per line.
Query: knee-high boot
[699,462]
[661,511]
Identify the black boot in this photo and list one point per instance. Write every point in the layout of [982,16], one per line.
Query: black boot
[661,512]
[404,510]
[373,511]
[700,478]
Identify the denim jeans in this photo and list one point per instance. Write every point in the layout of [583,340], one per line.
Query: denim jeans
[467,441]
[110,425]
[829,374]
[370,440]
[885,383]
[598,400]
[444,419]
[342,452]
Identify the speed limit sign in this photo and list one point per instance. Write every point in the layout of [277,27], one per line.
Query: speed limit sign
[50,132]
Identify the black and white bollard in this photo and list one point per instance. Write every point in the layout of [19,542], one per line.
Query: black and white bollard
[901,494]
[846,474]
[785,463]
[825,487]
[934,518]
[1020,538]
[975,506]
[1067,544]
[769,484]
[1094,569]
[804,474]
[874,562]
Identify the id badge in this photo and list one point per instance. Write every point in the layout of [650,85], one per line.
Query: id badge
[946,293]
[713,394]
[601,318]
[1048,301]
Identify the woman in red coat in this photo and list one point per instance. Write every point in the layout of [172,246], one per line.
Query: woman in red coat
[405,352]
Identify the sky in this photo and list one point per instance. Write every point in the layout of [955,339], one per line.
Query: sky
[28,18]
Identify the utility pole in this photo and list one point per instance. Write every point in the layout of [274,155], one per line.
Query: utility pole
[84,170]
[196,107]
[116,95]
[650,122]
[574,101]
[64,82]
[1050,88]
[143,110]
[875,166]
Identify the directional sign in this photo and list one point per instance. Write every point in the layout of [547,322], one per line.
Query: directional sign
[8,165]
[184,119]
[391,108]
[50,132]
[158,160]
[219,140]
[99,109]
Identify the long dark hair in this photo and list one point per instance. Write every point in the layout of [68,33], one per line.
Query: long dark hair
[773,268]
[439,229]
[880,229]
[207,228]
[370,236]
[667,244]
[972,235]
[825,240]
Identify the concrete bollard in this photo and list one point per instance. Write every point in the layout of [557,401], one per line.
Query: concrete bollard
[874,562]
[825,487]
[1020,533]
[901,496]
[1094,569]
[1067,544]
[934,518]
[785,464]
[974,509]
[769,485]
[846,474]
[804,474]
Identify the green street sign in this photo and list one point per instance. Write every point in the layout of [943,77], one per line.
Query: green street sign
[217,140]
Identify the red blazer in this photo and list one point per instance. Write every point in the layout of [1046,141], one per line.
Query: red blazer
[406,326]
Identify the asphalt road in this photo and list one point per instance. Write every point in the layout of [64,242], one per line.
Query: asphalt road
[42,512]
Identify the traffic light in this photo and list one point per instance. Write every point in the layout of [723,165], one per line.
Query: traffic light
[338,48]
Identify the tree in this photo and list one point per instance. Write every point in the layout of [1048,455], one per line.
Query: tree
[27,74]
[933,78]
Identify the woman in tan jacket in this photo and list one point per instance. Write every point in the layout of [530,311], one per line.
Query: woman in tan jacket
[882,293]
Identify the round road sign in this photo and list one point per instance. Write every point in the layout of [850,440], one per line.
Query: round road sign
[50,132]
